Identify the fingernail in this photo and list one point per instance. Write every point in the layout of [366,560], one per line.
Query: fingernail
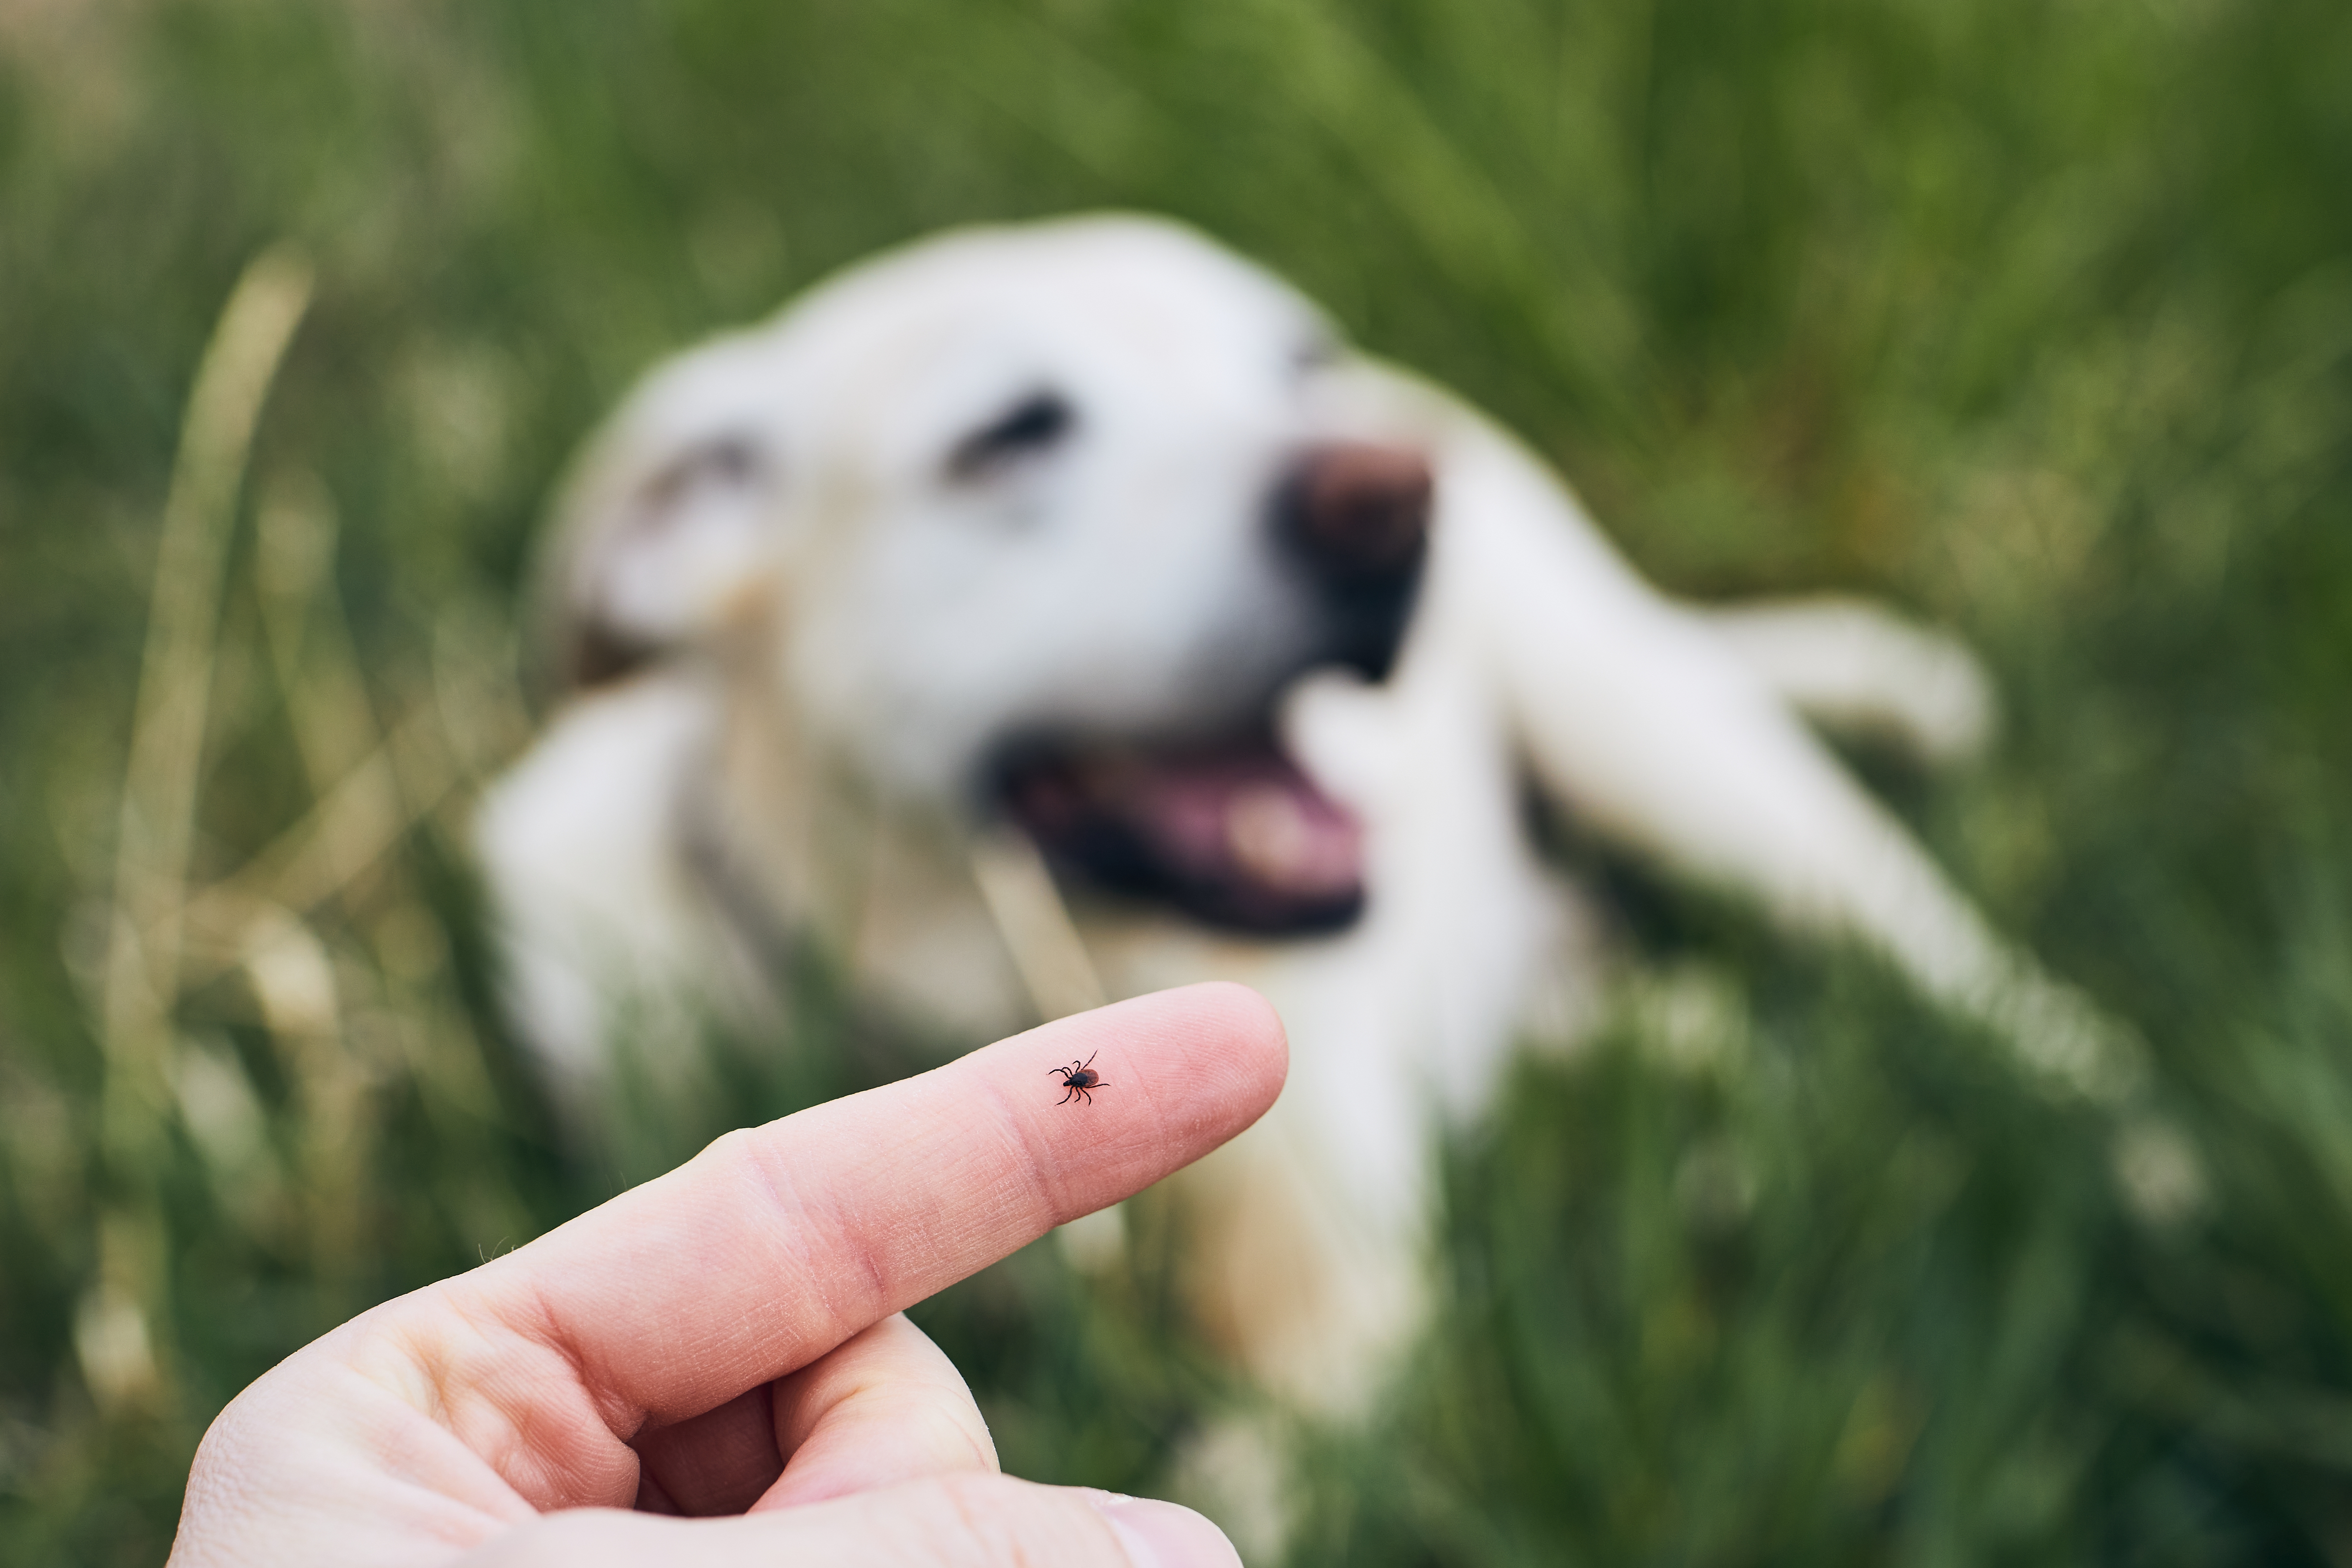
[1163,1535]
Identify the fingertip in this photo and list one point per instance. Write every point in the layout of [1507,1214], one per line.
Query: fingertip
[1236,1033]
[1253,1033]
[1233,1051]
[1244,1012]
[1182,1071]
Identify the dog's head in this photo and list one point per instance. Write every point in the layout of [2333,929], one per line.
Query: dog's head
[1037,521]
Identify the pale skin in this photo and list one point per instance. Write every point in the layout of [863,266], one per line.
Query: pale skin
[714,1369]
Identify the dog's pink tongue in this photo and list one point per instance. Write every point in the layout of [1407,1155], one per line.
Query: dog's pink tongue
[1256,816]
[1234,834]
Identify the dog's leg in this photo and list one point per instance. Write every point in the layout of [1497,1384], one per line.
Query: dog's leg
[1854,667]
[1644,722]
[606,944]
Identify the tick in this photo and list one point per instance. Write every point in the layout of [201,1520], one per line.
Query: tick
[1079,1078]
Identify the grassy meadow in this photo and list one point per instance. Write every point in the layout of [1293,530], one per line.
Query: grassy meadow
[2032,316]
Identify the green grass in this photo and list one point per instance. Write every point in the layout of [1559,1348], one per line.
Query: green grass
[2034,316]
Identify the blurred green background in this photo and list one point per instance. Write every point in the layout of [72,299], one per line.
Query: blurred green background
[2034,316]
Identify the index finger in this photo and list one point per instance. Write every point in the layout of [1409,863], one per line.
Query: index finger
[778,1243]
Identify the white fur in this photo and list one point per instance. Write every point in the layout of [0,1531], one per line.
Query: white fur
[841,632]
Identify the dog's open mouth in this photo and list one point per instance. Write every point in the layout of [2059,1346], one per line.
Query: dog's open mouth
[1231,833]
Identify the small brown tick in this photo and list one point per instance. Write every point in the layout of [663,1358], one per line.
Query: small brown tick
[1079,1078]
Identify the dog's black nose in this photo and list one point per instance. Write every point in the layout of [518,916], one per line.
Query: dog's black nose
[1356,516]
[1358,513]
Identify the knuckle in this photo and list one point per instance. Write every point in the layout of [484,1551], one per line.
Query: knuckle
[734,1146]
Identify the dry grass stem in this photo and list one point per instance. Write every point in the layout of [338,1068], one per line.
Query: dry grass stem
[157,817]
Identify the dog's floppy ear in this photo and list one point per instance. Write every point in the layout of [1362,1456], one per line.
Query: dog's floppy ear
[664,533]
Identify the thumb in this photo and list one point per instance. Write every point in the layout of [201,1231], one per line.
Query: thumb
[968,1520]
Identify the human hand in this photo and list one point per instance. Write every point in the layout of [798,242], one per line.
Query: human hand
[725,1341]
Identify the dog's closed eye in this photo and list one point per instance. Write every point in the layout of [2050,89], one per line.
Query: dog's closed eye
[725,463]
[1034,425]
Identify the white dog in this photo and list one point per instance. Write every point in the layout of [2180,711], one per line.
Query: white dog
[1044,613]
